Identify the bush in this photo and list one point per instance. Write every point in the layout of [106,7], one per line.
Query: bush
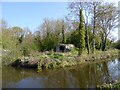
[25,51]
[117,45]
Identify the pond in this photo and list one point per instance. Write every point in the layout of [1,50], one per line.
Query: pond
[81,76]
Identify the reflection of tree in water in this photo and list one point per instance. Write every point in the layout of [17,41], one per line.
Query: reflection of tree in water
[79,76]
[56,79]
[82,76]
[85,75]
[119,55]
[106,72]
[14,75]
[90,75]
[63,78]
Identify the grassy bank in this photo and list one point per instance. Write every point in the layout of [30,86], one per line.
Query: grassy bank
[57,60]
[51,59]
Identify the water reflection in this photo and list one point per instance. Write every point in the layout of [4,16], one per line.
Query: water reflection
[81,76]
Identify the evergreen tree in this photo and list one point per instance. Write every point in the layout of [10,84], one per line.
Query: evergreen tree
[81,34]
[63,32]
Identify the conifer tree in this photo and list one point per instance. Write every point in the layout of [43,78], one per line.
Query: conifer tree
[63,32]
[81,34]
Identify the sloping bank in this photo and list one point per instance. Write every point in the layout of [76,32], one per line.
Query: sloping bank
[57,60]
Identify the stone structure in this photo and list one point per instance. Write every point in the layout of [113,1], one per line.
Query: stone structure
[64,47]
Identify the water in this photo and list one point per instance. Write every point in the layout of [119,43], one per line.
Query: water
[81,76]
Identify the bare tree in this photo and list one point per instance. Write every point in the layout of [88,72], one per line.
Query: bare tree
[90,12]
[107,21]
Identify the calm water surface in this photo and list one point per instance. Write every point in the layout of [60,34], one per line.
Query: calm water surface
[81,76]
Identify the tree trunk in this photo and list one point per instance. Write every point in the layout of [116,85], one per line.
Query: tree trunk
[93,43]
[87,40]
[63,33]
[104,44]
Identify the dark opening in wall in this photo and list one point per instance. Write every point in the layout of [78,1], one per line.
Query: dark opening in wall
[62,48]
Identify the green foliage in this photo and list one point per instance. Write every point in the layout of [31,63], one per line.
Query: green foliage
[25,51]
[81,34]
[117,44]
[49,43]
[87,43]
[73,39]
[63,33]
[52,32]
[55,55]
[36,45]
[97,41]
[107,16]
[116,85]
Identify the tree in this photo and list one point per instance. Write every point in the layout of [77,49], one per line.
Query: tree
[27,43]
[93,10]
[57,30]
[106,21]
[52,33]
[17,34]
[87,28]
[37,40]
[63,32]
[89,9]
[81,34]
[73,38]
[11,40]
[3,24]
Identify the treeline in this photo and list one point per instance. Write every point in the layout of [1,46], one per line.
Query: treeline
[21,41]
[89,30]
